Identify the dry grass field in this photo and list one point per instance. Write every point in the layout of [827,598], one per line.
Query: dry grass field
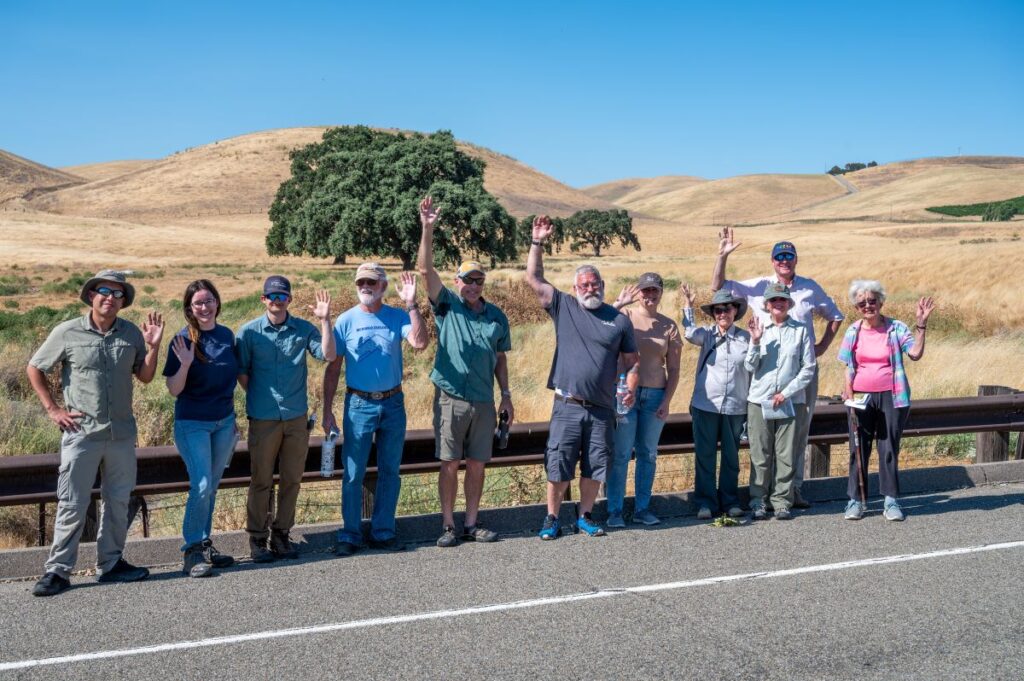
[19,175]
[94,172]
[187,216]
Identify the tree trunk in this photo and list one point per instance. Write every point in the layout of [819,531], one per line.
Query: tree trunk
[406,261]
[597,251]
[339,259]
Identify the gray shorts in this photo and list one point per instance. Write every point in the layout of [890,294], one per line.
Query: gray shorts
[579,434]
[463,430]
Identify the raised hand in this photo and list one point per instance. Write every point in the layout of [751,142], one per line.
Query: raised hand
[428,213]
[925,306]
[153,329]
[542,227]
[630,294]
[727,241]
[185,352]
[756,328]
[688,294]
[322,309]
[407,292]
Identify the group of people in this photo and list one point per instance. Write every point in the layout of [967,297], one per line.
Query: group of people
[761,380]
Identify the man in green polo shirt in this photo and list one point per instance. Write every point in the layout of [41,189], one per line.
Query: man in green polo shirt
[472,339]
[98,355]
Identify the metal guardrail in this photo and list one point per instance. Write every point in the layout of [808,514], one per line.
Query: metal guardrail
[33,479]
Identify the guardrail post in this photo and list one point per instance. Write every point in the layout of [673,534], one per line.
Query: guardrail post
[42,524]
[369,487]
[818,458]
[995,446]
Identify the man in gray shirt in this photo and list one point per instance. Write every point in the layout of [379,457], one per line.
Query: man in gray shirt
[590,337]
[98,354]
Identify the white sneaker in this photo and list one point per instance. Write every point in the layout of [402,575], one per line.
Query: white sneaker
[854,510]
[704,513]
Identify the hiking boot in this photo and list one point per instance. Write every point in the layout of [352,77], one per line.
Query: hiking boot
[194,563]
[123,571]
[645,517]
[215,557]
[854,510]
[735,512]
[893,511]
[758,512]
[588,526]
[448,537]
[281,546]
[783,514]
[50,584]
[258,550]
[704,513]
[616,521]
[551,528]
[799,501]
[479,533]
[345,548]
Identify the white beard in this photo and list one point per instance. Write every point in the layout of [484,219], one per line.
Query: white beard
[591,301]
[368,298]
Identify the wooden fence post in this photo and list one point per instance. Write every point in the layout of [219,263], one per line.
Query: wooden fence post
[818,458]
[995,446]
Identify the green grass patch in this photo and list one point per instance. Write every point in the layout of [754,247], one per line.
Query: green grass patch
[979,209]
[13,285]
[33,326]
[73,284]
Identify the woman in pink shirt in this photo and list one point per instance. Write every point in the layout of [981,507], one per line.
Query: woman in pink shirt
[873,350]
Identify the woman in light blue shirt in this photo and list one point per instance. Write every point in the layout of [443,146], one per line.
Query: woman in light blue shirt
[719,402]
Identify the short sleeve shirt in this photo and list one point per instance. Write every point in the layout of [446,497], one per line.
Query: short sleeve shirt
[468,344]
[655,337]
[96,373]
[809,299]
[587,347]
[209,393]
[274,359]
[372,344]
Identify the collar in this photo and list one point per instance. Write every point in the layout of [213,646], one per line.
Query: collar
[88,325]
[265,322]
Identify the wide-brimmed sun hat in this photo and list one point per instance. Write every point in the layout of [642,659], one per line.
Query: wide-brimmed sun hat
[725,297]
[113,277]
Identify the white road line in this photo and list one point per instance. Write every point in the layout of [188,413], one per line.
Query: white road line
[500,607]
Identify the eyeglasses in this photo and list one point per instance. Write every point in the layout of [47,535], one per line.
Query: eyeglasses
[785,257]
[106,291]
[476,281]
[366,283]
[873,302]
[209,302]
[722,309]
[277,297]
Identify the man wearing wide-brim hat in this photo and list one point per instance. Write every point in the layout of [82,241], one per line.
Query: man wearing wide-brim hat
[98,355]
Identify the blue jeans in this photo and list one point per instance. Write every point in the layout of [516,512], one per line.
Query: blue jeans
[206,447]
[364,422]
[639,431]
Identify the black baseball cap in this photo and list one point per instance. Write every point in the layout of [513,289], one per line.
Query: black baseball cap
[277,284]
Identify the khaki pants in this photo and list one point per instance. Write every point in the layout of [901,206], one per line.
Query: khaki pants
[803,430]
[80,459]
[284,442]
[771,457]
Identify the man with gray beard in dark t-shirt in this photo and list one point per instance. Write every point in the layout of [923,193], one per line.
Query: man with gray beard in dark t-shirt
[590,337]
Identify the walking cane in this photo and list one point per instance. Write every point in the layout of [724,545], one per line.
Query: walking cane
[853,425]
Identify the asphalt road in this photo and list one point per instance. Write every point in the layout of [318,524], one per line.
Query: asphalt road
[805,603]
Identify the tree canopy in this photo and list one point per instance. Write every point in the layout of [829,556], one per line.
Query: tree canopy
[357,192]
[591,229]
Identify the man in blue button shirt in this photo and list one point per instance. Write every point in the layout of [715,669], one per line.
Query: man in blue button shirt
[272,370]
[369,338]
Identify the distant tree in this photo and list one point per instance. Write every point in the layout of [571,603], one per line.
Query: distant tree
[553,244]
[357,192]
[835,170]
[597,229]
[853,167]
[999,212]
[872,164]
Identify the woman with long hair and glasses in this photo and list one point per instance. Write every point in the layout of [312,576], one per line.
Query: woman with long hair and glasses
[201,372]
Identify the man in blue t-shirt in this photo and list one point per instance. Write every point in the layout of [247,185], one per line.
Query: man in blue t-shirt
[591,338]
[369,340]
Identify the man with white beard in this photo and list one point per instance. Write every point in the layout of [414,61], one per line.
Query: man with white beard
[590,338]
[369,336]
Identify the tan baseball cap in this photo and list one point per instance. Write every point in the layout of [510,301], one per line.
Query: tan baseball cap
[371,270]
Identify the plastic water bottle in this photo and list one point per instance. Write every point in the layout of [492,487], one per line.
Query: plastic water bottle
[327,453]
[621,390]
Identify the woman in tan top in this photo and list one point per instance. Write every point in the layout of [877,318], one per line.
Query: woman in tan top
[660,346]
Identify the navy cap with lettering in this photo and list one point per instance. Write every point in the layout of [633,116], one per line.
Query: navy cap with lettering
[277,284]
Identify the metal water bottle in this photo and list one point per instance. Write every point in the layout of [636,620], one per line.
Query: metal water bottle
[327,453]
[501,434]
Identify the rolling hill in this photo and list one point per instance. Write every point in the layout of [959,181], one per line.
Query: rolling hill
[635,189]
[20,177]
[108,169]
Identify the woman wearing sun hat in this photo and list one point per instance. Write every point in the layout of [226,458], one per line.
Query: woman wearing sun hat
[719,402]
[781,358]
[872,350]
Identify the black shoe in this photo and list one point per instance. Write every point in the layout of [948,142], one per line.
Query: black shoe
[193,563]
[214,557]
[345,548]
[123,571]
[801,503]
[50,584]
[389,544]
[479,533]
[258,550]
[281,546]
[448,537]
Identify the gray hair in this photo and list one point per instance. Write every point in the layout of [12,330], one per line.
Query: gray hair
[859,286]
[585,269]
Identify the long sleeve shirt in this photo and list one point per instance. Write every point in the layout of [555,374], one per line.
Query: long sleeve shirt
[722,381]
[783,362]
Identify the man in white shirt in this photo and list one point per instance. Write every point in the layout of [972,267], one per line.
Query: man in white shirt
[809,299]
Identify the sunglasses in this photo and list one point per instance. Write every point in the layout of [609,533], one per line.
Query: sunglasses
[476,281]
[873,302]
[366,283]
[785,257]
[722,309]
[106,291]
[277,297]
[777,300]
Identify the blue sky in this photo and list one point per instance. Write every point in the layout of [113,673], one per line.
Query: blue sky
[584,91]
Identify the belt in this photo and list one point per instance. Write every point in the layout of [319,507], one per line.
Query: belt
[376,394]
[575,400]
